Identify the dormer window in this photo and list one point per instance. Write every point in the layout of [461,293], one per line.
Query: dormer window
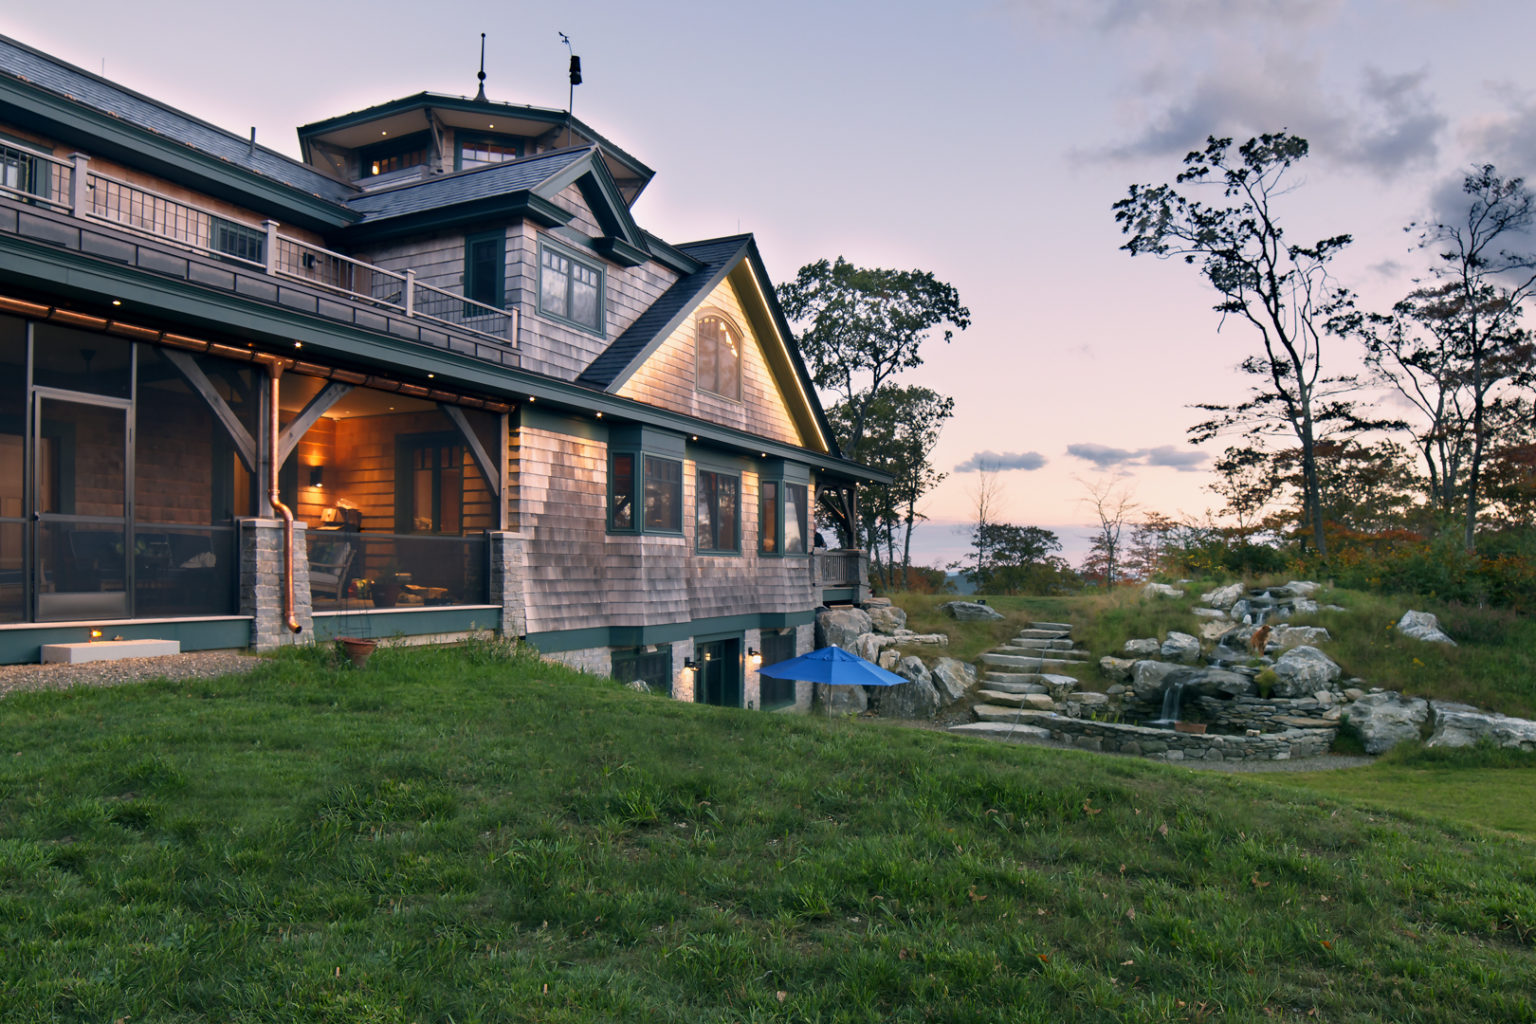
[570,289]
[719,356]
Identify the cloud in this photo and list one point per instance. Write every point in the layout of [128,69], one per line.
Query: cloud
[1166,456]
[1390,126]
[1005,460]
[1165,16]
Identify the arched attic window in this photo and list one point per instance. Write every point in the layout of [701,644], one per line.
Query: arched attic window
[719,356]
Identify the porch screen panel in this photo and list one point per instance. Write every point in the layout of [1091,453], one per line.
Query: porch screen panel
[81,501]
[13,404]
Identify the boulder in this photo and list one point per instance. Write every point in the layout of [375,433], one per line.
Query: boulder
[888,659]
[1160,590]
[638,685]
[1295,636]
[1142,648]
[1209,613]
[1216,682]
[1301,588]
[1383,720]
[1149,678]
[887,618]
[1459,725]
[1215,630]
[1423,626]
[1118,669]
[916,698]
[1304,670]
[841,700]
[870,646]
[969,611]
[953,679]
[1223,597]
[841,627]
[1181,647]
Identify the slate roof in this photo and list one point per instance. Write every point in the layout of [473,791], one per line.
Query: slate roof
[39,69]
[464,186]
[718,256]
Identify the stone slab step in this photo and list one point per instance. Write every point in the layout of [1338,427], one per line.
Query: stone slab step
[1035,652]
[1036,633]
[1009,733]
[1004,713]
[107,650]
[1063,644]
[1029,662]
[1053,625]
[1004,687]
[1034,701]
[1304,723]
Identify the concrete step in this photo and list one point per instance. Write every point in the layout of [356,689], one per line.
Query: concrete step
[1045,634]
[1067,626]
[1033,701]
[1003,713]
[1008,733]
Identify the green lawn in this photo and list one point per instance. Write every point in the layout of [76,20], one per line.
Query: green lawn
[457,836]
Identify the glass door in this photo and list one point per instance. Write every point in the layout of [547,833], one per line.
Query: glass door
[719,674]
[81,494]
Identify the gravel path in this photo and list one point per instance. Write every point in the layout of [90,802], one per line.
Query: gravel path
[197,665]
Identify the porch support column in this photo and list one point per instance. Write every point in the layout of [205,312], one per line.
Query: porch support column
[509,568]
[261,583]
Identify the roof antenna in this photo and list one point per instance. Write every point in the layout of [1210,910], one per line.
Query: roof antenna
[575,81]
[480,96]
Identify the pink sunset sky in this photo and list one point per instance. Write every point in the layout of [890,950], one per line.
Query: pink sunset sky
[984,141]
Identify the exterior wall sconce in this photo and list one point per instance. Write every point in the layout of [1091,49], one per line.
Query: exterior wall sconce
[689,665]
[755,656]
[95,634]
[317,476]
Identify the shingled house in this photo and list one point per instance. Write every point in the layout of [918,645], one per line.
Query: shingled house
[432,378]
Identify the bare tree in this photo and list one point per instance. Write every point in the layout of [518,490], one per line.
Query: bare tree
[1113,504]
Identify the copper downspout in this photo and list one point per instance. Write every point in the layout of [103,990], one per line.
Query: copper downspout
[274,437]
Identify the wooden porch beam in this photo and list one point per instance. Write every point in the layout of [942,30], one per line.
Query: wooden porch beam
[488,469]
[300,424]
[244,443]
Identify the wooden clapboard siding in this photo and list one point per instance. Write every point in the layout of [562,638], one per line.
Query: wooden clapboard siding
[667,378]
[316,448]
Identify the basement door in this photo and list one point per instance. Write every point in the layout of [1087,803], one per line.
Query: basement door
[720,680]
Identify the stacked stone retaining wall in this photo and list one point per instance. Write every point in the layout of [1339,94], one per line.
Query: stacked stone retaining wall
[1167,745]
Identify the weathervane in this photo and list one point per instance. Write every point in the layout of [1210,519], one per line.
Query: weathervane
[570,104]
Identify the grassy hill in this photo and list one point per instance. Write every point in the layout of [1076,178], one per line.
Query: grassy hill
[458,835]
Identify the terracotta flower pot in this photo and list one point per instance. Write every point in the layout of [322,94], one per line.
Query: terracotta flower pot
[359,649]
[1197,728]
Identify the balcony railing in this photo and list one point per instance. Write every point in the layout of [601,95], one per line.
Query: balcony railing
[71,186]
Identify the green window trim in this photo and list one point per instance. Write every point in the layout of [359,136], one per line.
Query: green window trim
[783,523]
[21,170]
[717,513]
[650,484]
[485,270]
[572,290]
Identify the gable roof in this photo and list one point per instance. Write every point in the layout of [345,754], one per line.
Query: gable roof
[76,106]
[734,257]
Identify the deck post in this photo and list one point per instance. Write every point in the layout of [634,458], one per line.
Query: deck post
[79,194]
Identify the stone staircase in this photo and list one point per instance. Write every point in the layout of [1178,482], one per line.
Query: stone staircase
[1027,678]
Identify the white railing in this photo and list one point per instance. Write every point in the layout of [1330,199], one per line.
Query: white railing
[70,186]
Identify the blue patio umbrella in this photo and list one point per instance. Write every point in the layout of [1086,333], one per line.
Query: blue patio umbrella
[832,666]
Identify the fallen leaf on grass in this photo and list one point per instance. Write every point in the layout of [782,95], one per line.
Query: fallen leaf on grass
[1258,884]
[782,995]
[1091,810]
[1162,830]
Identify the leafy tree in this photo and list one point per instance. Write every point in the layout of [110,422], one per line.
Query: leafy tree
[1113,506]
[859,328]
[1017,559]
[1281,290]
[902,426]
[1455,341]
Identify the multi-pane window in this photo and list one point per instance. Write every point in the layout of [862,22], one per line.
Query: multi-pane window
[663,494]
[481,150]
[719,357]
[621,492]
[570,290]
[435,482]
[238,240]
[718,511]
[395,155]
[21,171]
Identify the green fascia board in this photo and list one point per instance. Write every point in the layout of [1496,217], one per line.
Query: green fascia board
[508,206]
[276,327]
[618,251]
[603,198]
[383,624]
[438,101]
[670,256]
[555,641]
[22,645]
[100,133]
[642,438]
[839,595]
